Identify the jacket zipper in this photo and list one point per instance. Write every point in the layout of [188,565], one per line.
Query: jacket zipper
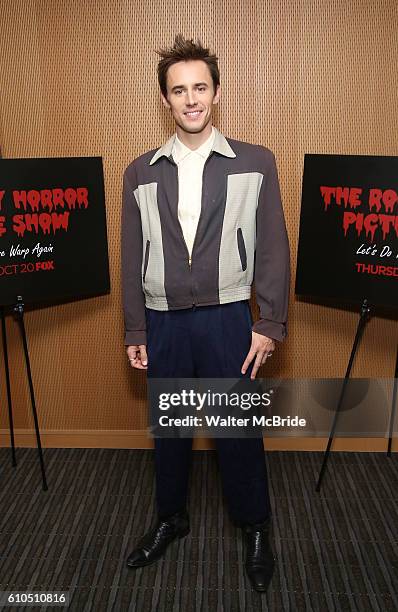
[179,224]
[180,228]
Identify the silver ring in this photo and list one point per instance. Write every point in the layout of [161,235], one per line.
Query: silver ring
[269,355]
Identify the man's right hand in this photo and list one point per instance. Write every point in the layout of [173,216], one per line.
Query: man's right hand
[137,356]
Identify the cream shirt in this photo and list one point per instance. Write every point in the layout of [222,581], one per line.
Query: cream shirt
[190,171]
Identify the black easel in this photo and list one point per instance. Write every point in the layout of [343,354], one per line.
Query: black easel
[19,311]
[365,315]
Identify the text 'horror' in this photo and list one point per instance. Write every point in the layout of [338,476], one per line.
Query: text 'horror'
[45,210]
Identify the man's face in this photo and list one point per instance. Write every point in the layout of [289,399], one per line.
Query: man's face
[190,95]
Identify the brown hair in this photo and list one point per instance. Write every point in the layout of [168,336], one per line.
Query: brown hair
[184,50]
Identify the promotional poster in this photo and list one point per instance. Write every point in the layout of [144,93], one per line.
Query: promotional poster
[53,240]
[348,246]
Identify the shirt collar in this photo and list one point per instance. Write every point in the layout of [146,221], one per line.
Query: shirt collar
[180,150]
[220,145]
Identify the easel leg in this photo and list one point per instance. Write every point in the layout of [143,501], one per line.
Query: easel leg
[393,407]
[365,311]
[8,385]
[19,311]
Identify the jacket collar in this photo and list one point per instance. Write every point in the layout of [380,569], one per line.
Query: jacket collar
[220,145]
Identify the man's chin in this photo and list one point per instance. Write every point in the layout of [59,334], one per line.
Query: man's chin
[193,129]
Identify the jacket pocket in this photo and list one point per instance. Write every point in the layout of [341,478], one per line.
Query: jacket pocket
[146,258]
[241,248]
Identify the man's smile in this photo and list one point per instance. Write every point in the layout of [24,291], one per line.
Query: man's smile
[193,114]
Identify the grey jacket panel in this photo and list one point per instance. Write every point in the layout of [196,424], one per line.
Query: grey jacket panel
[153,261]
[241,236]
[236,259]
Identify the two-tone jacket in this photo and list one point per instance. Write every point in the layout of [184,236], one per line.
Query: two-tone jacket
[241,237]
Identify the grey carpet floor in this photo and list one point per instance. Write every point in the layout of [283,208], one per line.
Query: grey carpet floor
[336,550]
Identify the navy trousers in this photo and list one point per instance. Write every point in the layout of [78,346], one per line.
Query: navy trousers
[206,342]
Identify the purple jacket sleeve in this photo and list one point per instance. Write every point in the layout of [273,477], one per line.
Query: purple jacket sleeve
[131,244]
[272,257]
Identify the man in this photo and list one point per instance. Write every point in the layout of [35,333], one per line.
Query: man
[201,219]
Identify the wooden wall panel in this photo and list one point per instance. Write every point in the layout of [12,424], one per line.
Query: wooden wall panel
[79,78]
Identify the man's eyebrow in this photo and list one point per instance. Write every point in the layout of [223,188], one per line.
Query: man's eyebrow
[195,85]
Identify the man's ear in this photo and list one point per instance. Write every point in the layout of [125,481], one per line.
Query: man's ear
[217,95]
[164,101]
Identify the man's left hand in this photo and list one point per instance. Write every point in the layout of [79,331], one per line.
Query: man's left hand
[261,348]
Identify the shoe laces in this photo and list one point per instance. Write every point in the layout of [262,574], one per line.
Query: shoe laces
[255,543]
[156,535]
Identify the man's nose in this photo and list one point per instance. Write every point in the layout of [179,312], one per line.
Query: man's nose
[191,98]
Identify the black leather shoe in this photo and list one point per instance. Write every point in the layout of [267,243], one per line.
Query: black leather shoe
[154,544]
[260,561]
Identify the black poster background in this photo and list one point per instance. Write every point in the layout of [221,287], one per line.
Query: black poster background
[80,254]
[326,261]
